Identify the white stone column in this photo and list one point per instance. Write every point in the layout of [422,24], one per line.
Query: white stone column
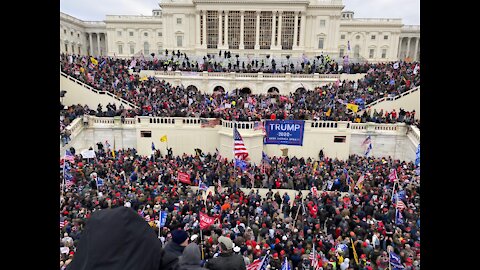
[257,32]
[242,15]
[197,22]
[399,54]
[220,28]
[90,35]
[204,29]
[274,13]
[416,49]
[302,30]
[225,38]
[408,48]
[295,31]
[98,43]
[279,40]
[106,43]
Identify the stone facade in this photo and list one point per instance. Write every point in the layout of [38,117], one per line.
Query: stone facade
[252,28]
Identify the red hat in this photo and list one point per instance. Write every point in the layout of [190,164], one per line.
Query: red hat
[363,256]
[282,252]
[264,225]
[364,244]
[238,222]
[277,241]
[275,255]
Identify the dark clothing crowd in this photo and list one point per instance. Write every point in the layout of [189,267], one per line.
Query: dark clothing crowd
[346,214]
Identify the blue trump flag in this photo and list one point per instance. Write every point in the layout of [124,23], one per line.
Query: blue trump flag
[289,132]
[265,158]
[100,182]
[153,146]
[163,218]
[286,265]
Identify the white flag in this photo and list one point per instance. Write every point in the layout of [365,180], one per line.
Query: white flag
[395,66]
[88,154]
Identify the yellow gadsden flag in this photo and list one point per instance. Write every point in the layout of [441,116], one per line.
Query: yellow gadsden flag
[352,107]
[94,61]
[328,112]
[163,138]
[144,78]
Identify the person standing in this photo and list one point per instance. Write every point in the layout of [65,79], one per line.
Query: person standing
[226,260]
[174,249]
[191,258]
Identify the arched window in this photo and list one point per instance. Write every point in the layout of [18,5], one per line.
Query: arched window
[146,48]
[356,51]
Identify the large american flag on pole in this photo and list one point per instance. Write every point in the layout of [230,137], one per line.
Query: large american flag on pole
[239,149]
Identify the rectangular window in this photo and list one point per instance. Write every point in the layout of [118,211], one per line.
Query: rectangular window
[384,53]
[71,34]
[131,34]
[66,47]
[342,52]
[119,33]
[322,23]
[373,37]
[342,36]
[320,43]
[73,48]
[120,49]
[179,41]
[132,49]
[266,30]
[212,29]
[249,29]
[339,139]
[159,34]
[78,35]
[385,37]
[65,31]
[79,49]
[233,29]
[179,20]
[371,53]
[288,24]
[145,34]
[145,134]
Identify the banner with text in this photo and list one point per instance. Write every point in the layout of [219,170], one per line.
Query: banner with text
[288,132]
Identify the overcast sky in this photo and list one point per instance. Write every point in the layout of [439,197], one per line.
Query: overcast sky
[95,10]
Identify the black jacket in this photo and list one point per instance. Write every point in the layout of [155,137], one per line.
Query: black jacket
[226,261]
[116,239]
[170,255]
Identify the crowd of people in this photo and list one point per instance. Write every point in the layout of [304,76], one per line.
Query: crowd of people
[159,98]
[357,203]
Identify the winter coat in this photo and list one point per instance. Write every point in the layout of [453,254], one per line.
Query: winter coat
[226,261]
[170,255]
[191,258]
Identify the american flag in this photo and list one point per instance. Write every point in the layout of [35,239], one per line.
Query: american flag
[202,186]
[395,260]
[400,205]
[68,156]
[367,140]
[239,149]
[260,264]
[259,125]
[209,123]
[63,223]
[314,191]
[393,175]
[314,259]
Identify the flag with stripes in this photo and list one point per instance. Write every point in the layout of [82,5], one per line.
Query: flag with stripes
[63,223]
[398,217]
[68,156]
[259,125]
[260,265]
[367,140]
[360,181]
[240,164]
[400,205]
[393,175]
[209,123]
[314,191]
[219,188]
[286,265]
[395,261]
[314,259]
[239,150]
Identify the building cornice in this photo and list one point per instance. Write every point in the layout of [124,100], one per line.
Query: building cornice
[306,2]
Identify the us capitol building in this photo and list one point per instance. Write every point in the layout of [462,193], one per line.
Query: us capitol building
[251,28]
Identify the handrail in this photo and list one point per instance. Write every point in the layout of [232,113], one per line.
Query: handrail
[392,98]
[100,92]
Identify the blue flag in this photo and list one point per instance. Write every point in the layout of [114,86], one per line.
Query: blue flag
[163,218]
[395,261]
[153,146]
[417,159]
[202,186]
[398,217]
[100,182]
[241,164]
[265,158]
[368,149]
[286,265]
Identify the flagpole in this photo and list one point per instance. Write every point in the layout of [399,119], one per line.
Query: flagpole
[201,243]
[64,184]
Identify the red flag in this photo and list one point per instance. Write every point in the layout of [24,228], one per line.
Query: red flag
[206,221]
[393,175]
[184,178]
